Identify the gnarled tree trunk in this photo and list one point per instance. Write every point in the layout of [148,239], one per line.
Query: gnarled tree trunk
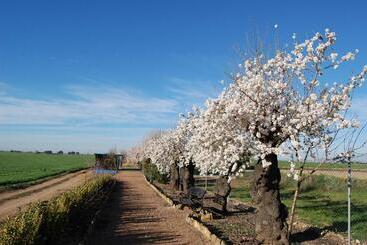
[174,177]
[223,189]
[271,226]
[188,177]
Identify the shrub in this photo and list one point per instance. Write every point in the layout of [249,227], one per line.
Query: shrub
[61,220]
[23,228]
[152,173]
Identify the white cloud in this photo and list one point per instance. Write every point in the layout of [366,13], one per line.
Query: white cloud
[88,105]
[93,117]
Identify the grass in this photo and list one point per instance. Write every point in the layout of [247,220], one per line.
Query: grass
[18,168]
[64,219]
[323,202]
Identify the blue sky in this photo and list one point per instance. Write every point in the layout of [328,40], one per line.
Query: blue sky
[95,75]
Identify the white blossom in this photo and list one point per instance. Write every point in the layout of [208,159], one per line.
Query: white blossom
[270,103]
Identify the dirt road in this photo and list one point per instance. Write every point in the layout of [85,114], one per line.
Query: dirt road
[11,201]
[135,214]
[357,174]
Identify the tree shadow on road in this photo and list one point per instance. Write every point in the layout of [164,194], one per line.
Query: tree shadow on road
[123,221]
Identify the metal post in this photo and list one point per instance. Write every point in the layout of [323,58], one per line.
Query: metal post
[349,200]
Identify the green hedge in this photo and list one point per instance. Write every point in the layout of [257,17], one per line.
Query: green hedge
[152,174]
[61,220]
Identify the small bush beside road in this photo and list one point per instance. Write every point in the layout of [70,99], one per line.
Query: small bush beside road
[152,174]
[61,220]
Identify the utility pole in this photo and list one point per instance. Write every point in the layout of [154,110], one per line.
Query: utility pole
[349,200]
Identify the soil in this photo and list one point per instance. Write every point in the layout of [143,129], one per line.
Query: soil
[135,214]
[13,200]
[238,225]
[358,174]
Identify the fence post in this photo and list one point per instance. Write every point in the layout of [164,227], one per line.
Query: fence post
[349,200]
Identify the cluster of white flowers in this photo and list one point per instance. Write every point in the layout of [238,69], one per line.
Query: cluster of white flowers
[161,149]
[270,102]
[293,172]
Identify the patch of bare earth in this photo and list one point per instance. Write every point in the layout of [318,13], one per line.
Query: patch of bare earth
[357,174]
[135,214]
[13,200]
[238,225]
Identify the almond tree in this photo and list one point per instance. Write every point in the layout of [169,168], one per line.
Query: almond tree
[168,151]
[134,154]
[218,145]
[183,134]
[283,99]
[161,148]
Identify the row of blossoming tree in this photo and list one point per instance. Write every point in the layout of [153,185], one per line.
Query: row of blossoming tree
[274,106]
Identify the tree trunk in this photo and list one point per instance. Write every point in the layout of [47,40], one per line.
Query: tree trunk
[295,198]
[181,177]
[293,209]
[188,177]
[174,177]
[223,189]
[271,226]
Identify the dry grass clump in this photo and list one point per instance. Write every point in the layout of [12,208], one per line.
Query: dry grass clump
[63,219]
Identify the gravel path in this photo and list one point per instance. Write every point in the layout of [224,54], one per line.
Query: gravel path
[12,201]
[135,214]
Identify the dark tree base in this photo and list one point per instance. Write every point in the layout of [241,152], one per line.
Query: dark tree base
[175,177]
[188,177]
[271,226]
[222,190]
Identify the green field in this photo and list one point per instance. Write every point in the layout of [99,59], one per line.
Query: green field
[19,168]
[323,202]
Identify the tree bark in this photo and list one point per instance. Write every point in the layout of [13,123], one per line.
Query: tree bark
[293,209]
[295,198]
[180,178]
[223,189]
[271,226]
[188,177]
[175,177]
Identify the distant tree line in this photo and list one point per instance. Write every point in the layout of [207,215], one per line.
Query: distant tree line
[49,152]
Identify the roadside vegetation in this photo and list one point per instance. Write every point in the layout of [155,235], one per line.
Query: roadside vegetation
[64,219]
[152,173]
[24,168]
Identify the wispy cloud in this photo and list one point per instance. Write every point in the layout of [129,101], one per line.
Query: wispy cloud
[90,105]
[93,116]
[193,91]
